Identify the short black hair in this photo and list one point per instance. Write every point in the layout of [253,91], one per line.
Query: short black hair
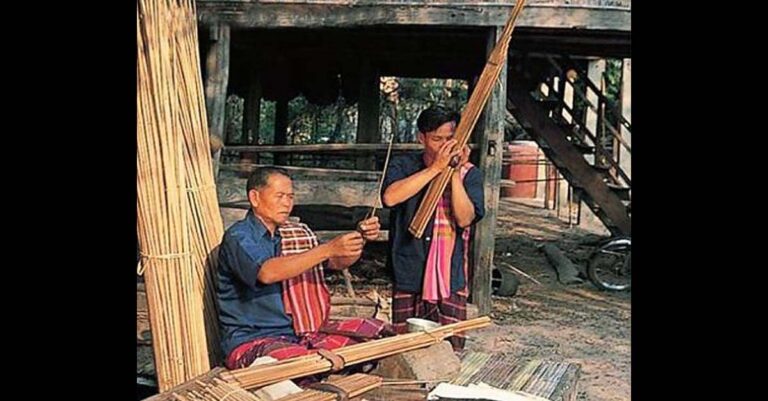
[259,177]
[435,116]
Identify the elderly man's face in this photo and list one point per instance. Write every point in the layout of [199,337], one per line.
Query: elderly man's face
[273,203]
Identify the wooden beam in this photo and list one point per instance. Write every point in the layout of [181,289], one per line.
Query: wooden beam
[327,235]
[310,172]
[281,128]
[595,70]
[334,148]
[217,72]
[252,109]
[308,14]
[507,183]
[623,156]
[308,192]
[304,173]
[586,43]
[490,164]
[368,113]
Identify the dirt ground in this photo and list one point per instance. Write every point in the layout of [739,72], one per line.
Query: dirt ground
[575,323]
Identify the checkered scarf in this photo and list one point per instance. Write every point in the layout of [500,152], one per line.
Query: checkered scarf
[306,297]
[437,274]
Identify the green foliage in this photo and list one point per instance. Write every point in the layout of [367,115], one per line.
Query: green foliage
[401,101]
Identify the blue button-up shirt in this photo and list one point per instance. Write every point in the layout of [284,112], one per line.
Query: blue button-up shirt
[249,309]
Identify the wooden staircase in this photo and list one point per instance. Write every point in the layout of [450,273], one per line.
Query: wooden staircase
[578,153]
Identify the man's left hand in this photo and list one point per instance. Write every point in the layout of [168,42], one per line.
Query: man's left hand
[369,228]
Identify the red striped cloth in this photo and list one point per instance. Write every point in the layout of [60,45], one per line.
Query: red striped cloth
[331,336]
[306,297]
[437,272]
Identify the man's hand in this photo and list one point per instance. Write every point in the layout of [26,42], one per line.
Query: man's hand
[460,160]
[464,157]
[346,245]
[444,155]
[369,228]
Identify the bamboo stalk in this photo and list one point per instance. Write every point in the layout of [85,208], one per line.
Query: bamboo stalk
[522,273]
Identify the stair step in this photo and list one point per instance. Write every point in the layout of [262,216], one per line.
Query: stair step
[564,124]
[628,205]
[549,102]
[602,169]
[584,148]
[621,191]
[615,230]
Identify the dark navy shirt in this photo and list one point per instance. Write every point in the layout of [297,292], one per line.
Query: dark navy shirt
[407,255]
[249,309]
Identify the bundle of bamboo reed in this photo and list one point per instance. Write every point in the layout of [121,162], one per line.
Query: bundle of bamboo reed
[206,226]
[178,219]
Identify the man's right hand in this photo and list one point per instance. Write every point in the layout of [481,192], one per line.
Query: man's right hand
[445,154]
[346,245]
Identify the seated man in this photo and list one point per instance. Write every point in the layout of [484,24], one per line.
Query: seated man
[271,292]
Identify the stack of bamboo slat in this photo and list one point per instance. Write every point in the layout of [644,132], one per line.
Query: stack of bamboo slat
[352,385]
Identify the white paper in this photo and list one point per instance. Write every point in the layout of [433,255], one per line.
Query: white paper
[480,391]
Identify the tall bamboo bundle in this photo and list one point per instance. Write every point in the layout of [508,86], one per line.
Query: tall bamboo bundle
[206,226]
[174,219]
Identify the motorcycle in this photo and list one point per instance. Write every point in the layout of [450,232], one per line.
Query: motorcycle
[610,265]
